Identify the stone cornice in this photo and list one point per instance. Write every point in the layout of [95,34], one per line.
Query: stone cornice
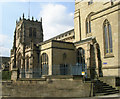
[106,8]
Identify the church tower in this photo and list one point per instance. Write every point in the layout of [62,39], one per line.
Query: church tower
[28,31]
[27,34]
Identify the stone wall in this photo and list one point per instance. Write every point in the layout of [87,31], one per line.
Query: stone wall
[102,11]
[46,88]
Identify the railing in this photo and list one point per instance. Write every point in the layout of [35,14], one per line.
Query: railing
[80,69]
[29,73]
[69,69]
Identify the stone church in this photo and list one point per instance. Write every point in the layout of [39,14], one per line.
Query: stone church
[92,48]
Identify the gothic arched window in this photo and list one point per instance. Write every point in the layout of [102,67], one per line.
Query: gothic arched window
[88,26]
[34,32]
[19,61]
[80,56]
[30,32]
[88,23]
[27,63]
[44,64]
[107,37]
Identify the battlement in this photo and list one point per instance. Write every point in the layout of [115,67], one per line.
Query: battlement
[21,19]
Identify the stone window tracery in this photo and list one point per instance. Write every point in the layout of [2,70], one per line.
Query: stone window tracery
[19,61]
[30,32]
[81,57]
[108,46]
[34,32]
[44,64]
[27,63]
[88,23]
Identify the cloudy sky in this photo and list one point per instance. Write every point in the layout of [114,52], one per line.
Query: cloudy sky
[57,18]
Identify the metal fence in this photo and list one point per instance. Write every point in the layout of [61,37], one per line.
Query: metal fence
[70,69]
[29,73]
[79,69]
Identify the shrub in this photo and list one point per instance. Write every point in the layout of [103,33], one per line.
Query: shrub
[6,75]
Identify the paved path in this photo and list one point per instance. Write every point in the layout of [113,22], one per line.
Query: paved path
[113,96]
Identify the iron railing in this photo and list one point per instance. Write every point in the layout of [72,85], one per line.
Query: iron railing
[79,69]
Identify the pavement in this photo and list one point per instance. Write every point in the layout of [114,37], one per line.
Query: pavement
[112,96]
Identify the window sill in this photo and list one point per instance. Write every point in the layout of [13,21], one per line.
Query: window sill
[109,55]
[89,34]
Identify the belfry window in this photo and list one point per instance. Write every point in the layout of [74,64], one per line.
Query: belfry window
[34,32]
[107,37]
[30,32]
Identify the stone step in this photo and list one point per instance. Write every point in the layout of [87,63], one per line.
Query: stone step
[32,79]
[110,93]
[102,94]
[107,91]
[107,87]
[103,88]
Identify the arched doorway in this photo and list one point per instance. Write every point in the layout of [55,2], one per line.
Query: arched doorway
[80,65]
[81,57]
[44,64]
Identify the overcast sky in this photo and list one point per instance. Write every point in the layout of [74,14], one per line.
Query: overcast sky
[57,18]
